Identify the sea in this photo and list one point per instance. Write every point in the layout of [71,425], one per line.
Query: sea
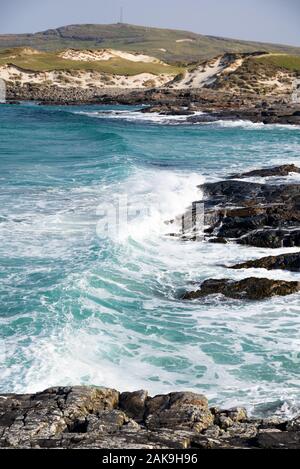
[91,280]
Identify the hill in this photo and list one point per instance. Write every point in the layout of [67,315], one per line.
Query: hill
[166,44]
[107,61]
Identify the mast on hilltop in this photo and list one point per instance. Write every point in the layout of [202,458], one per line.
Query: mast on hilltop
[121,15]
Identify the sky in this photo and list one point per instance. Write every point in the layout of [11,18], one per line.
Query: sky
[258,20]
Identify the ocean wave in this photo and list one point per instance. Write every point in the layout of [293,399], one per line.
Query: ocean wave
[83,308]
[138,116]
[249,125]
[157,118]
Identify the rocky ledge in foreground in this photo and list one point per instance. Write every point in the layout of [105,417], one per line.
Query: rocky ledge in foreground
[92,417]
[289,262]
[251,288]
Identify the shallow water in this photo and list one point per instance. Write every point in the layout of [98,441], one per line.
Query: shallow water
[79,305]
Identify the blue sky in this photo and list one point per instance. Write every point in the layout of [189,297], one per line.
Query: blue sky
[261,20]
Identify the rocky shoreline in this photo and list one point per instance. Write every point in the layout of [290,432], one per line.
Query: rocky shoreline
[260,214]
[215,105]
[95,417]
[263,215]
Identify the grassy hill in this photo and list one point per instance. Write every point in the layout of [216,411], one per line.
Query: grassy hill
[287,62]
[168,45]
[40,61]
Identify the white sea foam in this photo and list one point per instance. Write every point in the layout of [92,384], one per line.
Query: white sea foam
[127,339]
[157,118]
[112,316]
[249,125]
[158,196]
[138,116]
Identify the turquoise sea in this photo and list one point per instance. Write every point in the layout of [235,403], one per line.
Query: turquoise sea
[83,305]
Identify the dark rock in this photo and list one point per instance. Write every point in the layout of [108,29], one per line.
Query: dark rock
[134,403]
[250,288]
[250,193]
[272,238]
[285,262]
[219,240]
[283,170]
[278,440]
[93,418]
[261,215]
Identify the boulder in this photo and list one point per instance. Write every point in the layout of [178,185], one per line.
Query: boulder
[134,403]
[249,288]
[272,238]
[283,170]
[184,410]
[289,262]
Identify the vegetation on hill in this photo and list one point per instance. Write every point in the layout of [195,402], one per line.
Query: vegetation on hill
[166,44]
[46,61]
[264,75]
[288,62]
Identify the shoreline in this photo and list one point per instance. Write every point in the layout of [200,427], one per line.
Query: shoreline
[96,417]
[255,214]
[90,417]
[214,105]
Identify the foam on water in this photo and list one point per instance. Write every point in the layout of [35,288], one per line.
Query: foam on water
[249,125]
[138,116]
[157,118]
[81,307]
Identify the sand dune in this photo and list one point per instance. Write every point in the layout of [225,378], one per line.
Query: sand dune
[105,54]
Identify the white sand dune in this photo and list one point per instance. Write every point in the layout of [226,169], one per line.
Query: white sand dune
[106,54]
[205,74]
[84,79]
[208,72]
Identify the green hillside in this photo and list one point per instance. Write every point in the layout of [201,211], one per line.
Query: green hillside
[168,45]
[47,61]
[288,62]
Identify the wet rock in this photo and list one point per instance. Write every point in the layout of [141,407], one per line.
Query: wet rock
[167,110]
[283,170]
[250,194]
[250,288]
[261,215]
[289,262]
[272,238]
[219,240]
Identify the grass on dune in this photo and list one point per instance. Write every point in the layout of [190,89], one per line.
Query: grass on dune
[288,62]
[48,61]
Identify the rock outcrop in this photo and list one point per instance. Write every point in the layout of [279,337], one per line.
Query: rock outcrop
[254,214]
[289,262]
[92,417]
[262,215]
[251,288]
[283,170]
